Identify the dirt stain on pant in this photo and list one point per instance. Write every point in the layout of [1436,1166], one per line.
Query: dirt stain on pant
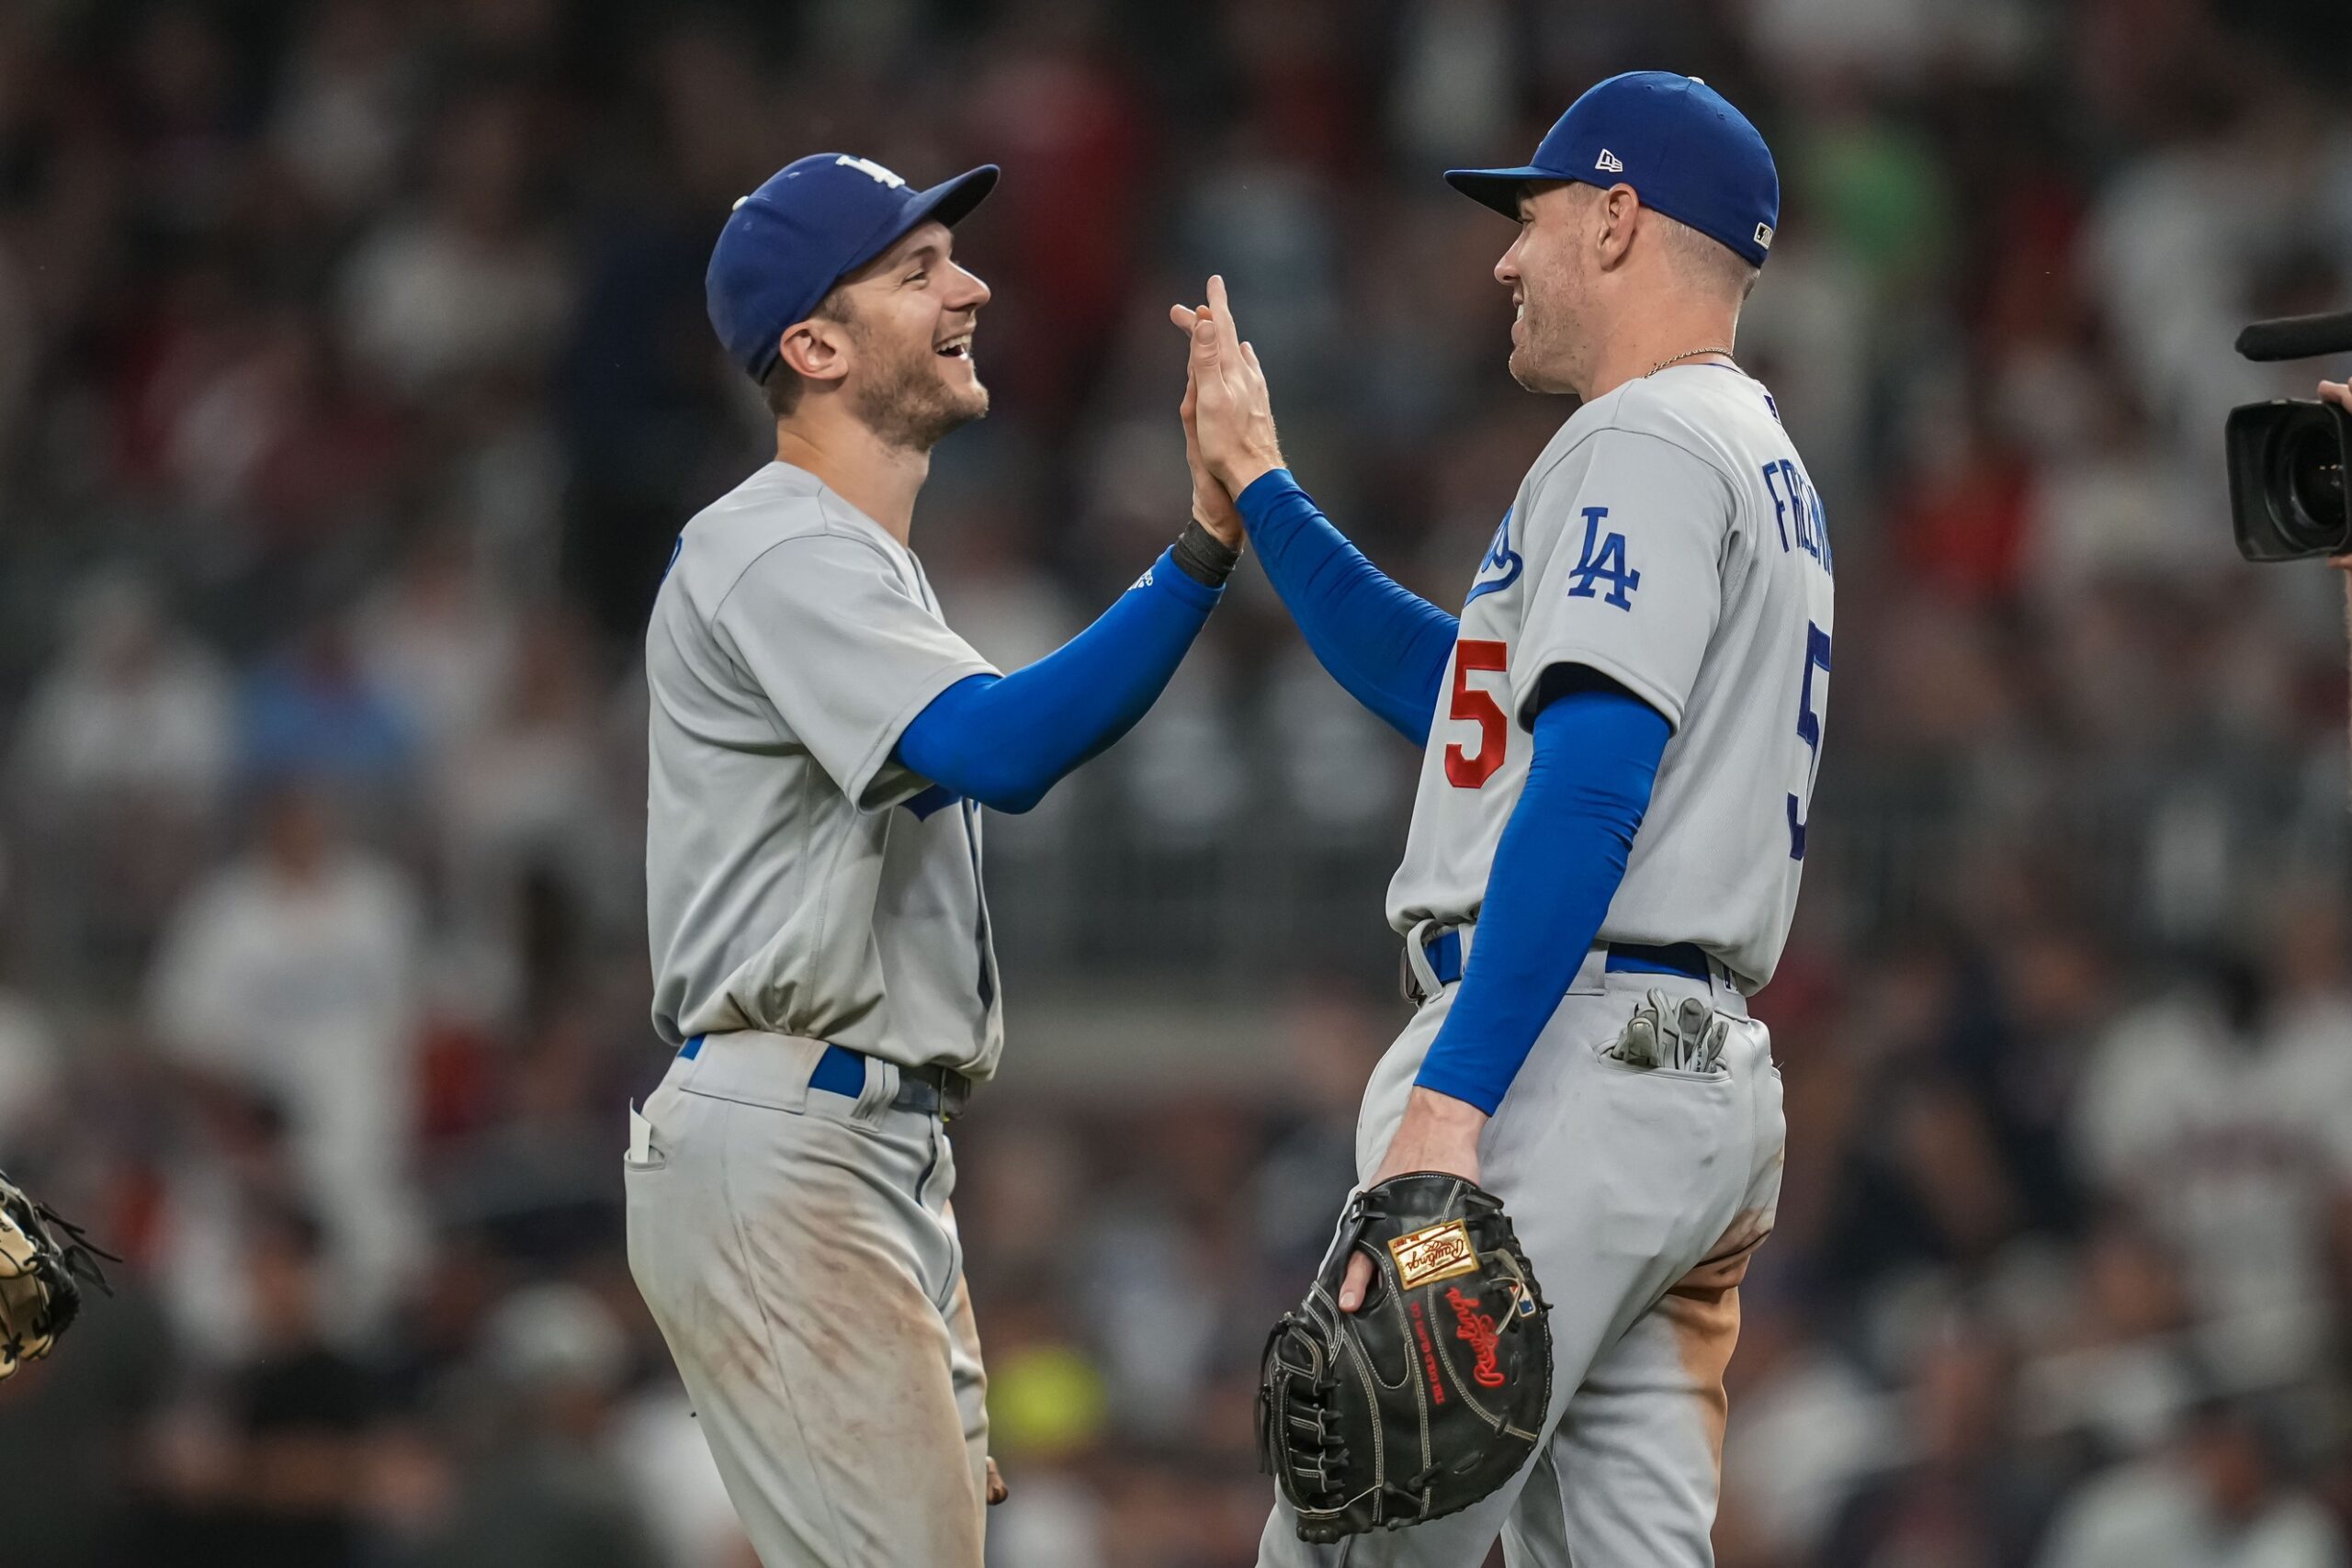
[807,1277]
[1702,1308]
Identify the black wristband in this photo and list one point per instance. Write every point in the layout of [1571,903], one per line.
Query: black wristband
[1203,557]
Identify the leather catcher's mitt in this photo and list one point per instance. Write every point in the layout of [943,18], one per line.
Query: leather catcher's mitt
[40,1278]
[1430,1396]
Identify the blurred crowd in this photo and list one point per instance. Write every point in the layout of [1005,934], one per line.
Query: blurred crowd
[353,381]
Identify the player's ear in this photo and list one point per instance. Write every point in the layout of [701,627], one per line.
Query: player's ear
[1613,219]
[817,349]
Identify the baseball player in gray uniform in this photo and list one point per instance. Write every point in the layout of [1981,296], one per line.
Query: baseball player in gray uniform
[1621,731]
[821,743]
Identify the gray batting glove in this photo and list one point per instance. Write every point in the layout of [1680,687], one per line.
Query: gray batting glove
[1686,1036]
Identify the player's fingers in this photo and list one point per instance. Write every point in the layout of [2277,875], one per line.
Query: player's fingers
[1204,346]
[1214,363]
[1257,372]
[1234,355]
[1222,304]
[1183,316]
[1357,1285]
[2337,392]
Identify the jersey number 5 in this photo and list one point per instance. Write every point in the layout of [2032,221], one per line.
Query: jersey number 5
[1816,652]
[1465,770]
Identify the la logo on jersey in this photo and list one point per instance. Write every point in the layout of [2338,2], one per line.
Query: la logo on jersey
[868,166]
[1602,560]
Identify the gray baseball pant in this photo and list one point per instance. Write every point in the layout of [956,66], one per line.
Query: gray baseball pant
[1639,1194]
[798,1250]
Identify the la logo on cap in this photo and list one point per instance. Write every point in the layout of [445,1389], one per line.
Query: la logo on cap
[1610,162]
[869,167]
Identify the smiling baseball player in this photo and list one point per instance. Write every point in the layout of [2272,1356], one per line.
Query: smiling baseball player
[1621,733]
[821,745]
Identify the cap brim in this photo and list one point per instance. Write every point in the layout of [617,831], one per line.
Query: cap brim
[951,201]
[1499,189]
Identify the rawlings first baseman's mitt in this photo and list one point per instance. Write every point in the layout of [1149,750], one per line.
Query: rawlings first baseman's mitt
[1430,1396]
[40,1278]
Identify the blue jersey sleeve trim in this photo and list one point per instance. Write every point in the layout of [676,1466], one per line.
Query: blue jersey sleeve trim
[1559,863]
[1004,740]
[1168,578]
[1386,644]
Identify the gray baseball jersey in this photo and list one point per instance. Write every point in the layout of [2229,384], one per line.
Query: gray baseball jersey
[800,881]
[1669,538]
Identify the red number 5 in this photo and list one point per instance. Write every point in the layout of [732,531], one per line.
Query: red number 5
[1462,771]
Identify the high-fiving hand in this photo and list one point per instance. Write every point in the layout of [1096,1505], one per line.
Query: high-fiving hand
[1228,415]
[1213,505]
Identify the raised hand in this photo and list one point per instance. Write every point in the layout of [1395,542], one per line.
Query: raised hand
[1233,418]
[1213,505]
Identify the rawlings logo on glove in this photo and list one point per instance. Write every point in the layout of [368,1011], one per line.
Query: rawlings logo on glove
[1377,1418]
[1438,1253]
[1478,1330]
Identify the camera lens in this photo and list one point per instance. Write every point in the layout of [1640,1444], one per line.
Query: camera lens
[2308,478]
[2315,474]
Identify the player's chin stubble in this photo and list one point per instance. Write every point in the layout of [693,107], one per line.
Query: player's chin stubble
[1528,361]
[909,403]
[1543,359]
[1553,329]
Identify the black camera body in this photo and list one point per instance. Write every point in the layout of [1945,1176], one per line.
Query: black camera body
[2287,498]
[2287,493]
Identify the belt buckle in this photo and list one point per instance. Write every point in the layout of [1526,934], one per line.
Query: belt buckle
[955,1093]
[1418,939]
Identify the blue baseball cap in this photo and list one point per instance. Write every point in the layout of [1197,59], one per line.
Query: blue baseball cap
[815,221]
[1676,140]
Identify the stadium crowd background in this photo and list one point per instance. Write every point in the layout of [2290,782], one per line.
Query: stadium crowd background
[354,380]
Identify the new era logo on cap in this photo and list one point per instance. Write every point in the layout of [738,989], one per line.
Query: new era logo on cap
[1610,162]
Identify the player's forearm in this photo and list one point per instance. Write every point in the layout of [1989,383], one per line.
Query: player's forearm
[1556,868]
[1005,741]
[1386,644]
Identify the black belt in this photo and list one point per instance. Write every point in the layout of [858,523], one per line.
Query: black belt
[933,1089]
[1684,958]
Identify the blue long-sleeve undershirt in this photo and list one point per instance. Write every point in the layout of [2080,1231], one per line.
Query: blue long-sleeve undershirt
[1560,860]
[1382,642]
[1004,740]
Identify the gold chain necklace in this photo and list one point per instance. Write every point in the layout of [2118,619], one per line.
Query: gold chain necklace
[1692,354]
